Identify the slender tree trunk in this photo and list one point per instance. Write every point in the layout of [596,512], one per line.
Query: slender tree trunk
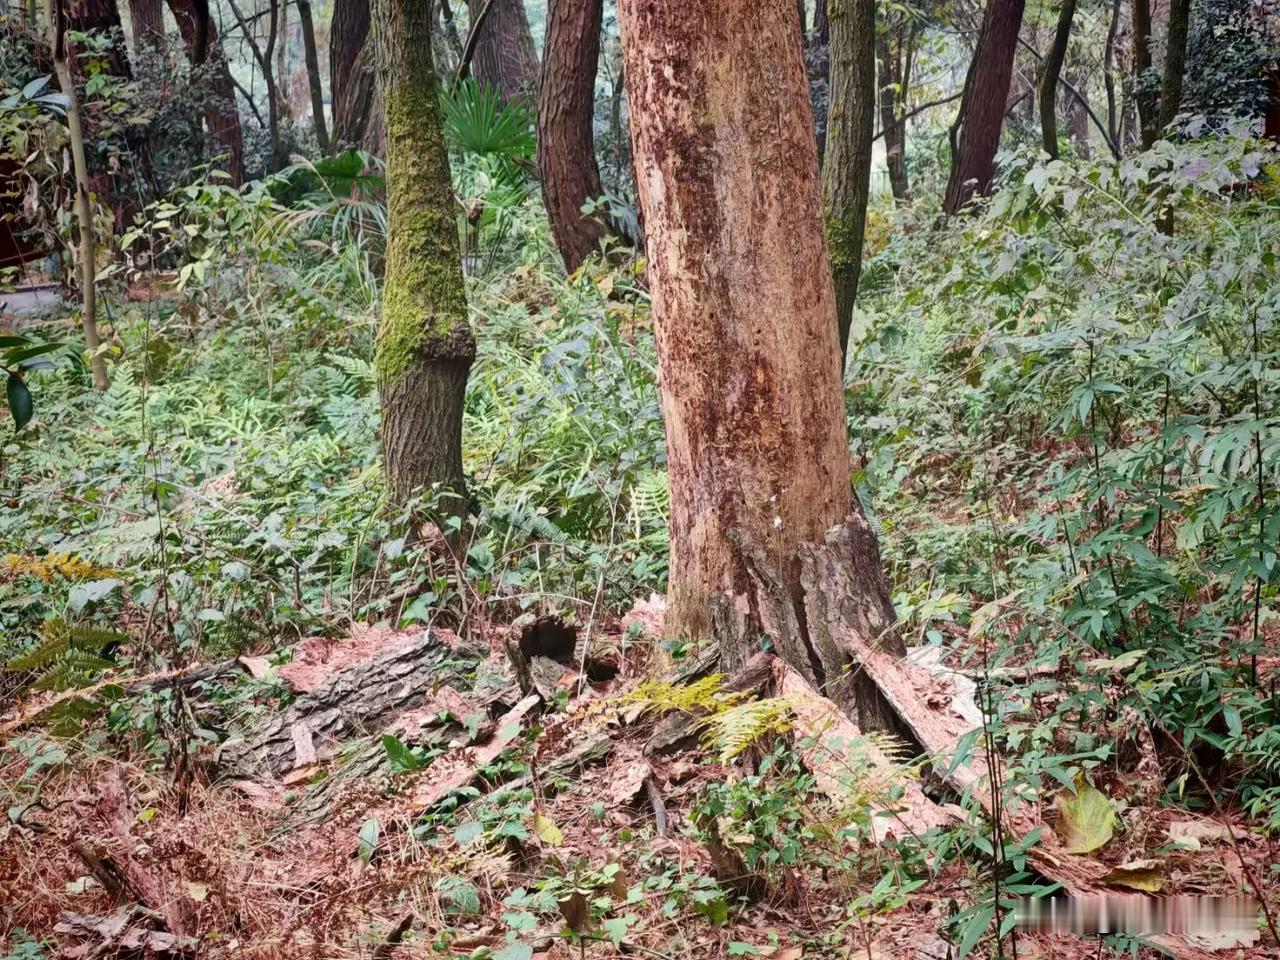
[147,19]
[313,74]
[983,106]
[221,117]
[802,14]
[425,347]
[1142,71]
[263,56]
[846,165]
[347,34]
[504,57]
[451,37]
[1109,78]
[1051,70]
[566,110]
[1175,60]
[86,254]
[893,54]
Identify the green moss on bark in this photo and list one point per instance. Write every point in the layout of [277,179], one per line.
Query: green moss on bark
[424,305]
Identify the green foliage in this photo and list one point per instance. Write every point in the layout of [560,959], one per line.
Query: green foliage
[67,655]
[477,121]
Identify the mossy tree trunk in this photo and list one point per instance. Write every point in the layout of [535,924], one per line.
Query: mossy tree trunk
[975,135]
[1050,72]
[566,140]
[425,347]
[846,163]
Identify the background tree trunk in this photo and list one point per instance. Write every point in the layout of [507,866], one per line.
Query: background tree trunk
[1051,70]
[347,34]
[566,110]
[1175,60]
[147,19]
[221,116]
[504,57]
[1141,71]
[846,164]
[425,346]
[313,74]
[352,114]
[821,25]
[893,53]
[749,361]
[102,16]
[983,106]
[1108,76]
[86,252]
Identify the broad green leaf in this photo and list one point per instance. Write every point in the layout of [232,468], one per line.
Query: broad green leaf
[1086,819]
[20,404]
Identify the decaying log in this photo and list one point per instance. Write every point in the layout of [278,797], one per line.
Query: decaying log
[357,700]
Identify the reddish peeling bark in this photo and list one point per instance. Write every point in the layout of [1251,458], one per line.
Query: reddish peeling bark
[566,108]
[983,107]
[749,360]
[504,57]
[221,116]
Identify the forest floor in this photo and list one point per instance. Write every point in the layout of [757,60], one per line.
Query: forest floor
[473,816]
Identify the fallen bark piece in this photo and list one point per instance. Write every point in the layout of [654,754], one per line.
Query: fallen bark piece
[846,765]
[362,697]
[453,772]
[123,932]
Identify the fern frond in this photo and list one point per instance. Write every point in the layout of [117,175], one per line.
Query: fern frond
[733,730]
[702,696]
[360,371]
[67,655]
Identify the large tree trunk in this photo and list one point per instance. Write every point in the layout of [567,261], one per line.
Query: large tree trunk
[101,16]
[893,53]
[748,354]
[566,109]
[425,345]
[1175,59]
[1051,70]
[983,106]
[147,20]
[1108,77]
[846,164]
[221,116]
[504,57]
[352,115]
[347,77]
[1141,71]
[313,74]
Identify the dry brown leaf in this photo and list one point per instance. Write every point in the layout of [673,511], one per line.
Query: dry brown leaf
[627,782]
[574,910]
[1145,875]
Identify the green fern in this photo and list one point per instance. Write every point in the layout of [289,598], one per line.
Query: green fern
[733,730]
[67,655]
